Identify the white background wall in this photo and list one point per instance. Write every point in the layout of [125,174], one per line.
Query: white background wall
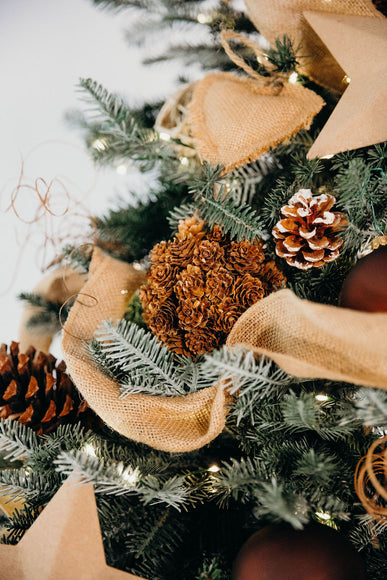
[45,46]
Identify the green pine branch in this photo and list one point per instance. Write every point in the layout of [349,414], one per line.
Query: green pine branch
[24,483]
[180,213]
[16,440]
[131,231]
[371,407]
[251,379]
[65,438]
[143,363]
[48,317]
[18,523]
[238,220]
[120,133]
[116,479]
[303,412]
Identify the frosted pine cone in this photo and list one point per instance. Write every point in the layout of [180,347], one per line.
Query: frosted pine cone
[307,234]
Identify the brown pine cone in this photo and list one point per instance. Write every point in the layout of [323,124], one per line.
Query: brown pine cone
[307,236]
[38,393]
[199,284]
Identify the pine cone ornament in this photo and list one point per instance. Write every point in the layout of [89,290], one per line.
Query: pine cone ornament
[39,393]
[307,234]
[199,284]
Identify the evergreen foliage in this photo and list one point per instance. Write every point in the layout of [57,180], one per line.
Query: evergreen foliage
[120,131]
[131,231]
[78,258]
[142,363]
[47,319]
[290,446]
[216,206]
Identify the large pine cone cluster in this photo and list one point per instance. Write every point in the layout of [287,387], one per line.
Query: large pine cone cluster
[38,393]
[307,234]
[200,283]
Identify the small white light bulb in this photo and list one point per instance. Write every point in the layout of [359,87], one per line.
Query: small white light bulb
[322,398]
[184,161]
[99,144]
[204,18]
[323,516]
[165,136]
[130,477]
[121,169]
[214,468]
[89,449]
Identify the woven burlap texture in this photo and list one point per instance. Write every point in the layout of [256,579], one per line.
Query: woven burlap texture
[273,18]
[313,340]
[174,424]
[56,286]
[235,120]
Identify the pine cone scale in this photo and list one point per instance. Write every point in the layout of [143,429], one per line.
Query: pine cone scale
[33,388]
[36,393]
[307,237]
[213,281]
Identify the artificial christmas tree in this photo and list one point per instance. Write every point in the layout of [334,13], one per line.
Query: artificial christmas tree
[282,396]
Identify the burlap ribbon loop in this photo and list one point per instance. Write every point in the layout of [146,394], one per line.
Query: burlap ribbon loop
[276,79]
[313,340]
[174,424]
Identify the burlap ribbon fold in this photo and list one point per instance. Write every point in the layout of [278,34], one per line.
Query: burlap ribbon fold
[313,340]
[174,424]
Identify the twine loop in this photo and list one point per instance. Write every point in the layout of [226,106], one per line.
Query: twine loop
[370,480]
[276,78]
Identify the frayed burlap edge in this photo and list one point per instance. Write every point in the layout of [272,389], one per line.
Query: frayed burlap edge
[174,424]
[209,150]
[313,340]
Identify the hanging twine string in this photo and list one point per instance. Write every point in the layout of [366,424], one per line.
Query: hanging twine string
[276,79]
[370,480]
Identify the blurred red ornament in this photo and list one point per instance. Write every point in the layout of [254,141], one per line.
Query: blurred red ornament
[365,287]
[282,553]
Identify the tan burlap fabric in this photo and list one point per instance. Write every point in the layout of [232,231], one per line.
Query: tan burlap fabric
[314,340]
[57,286]
[167,423]
[273,18]
[235,120]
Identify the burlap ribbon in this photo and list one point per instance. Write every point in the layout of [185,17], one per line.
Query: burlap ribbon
[273,18]
[167,423]
[315,340]
[236,120]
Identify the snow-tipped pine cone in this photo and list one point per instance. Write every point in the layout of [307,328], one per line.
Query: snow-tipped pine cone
[307,233]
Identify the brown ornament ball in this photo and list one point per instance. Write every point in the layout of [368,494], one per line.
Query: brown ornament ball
[365,287]
[282,553]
